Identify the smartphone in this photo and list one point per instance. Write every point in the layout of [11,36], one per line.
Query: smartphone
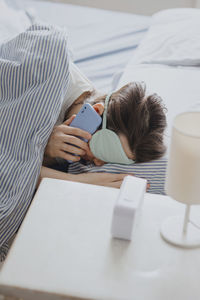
[87,119]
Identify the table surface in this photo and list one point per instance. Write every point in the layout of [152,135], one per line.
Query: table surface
[64,249]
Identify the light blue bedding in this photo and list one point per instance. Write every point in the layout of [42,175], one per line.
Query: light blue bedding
[34,79]
[102,41]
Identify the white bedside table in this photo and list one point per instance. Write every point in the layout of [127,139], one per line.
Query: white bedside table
[64,250]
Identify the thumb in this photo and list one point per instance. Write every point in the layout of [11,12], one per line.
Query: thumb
[68,121]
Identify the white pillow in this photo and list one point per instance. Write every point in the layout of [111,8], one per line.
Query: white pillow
[12,22]
[173,39]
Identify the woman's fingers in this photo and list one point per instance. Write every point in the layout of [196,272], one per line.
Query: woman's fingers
[72,149]
[68,121]
[68,156]
[64,135]
[73,140]
[76,131]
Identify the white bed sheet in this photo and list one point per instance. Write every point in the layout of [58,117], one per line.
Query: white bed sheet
[102,41]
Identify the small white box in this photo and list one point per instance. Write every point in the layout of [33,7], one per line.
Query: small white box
[127,205]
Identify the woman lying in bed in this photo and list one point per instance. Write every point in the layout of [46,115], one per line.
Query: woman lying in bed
[137,120]
[34,79]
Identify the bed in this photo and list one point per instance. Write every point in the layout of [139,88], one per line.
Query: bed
[100,49]
[168,61]
[108,53]
[95,46]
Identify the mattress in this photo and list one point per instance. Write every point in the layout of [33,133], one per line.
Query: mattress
[102,41]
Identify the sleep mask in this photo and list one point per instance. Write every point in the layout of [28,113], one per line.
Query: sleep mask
[106,145]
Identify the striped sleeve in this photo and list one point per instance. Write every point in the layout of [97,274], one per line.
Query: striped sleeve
[153,171]
[34,79]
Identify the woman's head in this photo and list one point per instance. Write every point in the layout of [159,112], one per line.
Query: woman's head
[138,119]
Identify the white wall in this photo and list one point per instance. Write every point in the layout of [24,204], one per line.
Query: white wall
[146,7]
[198,3]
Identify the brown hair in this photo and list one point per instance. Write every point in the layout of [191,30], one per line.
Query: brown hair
[140,118]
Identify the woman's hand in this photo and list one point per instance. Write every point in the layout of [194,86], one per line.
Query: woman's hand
[105,179]
[64,141]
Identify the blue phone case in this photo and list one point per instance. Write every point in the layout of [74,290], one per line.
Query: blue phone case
[87,119]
